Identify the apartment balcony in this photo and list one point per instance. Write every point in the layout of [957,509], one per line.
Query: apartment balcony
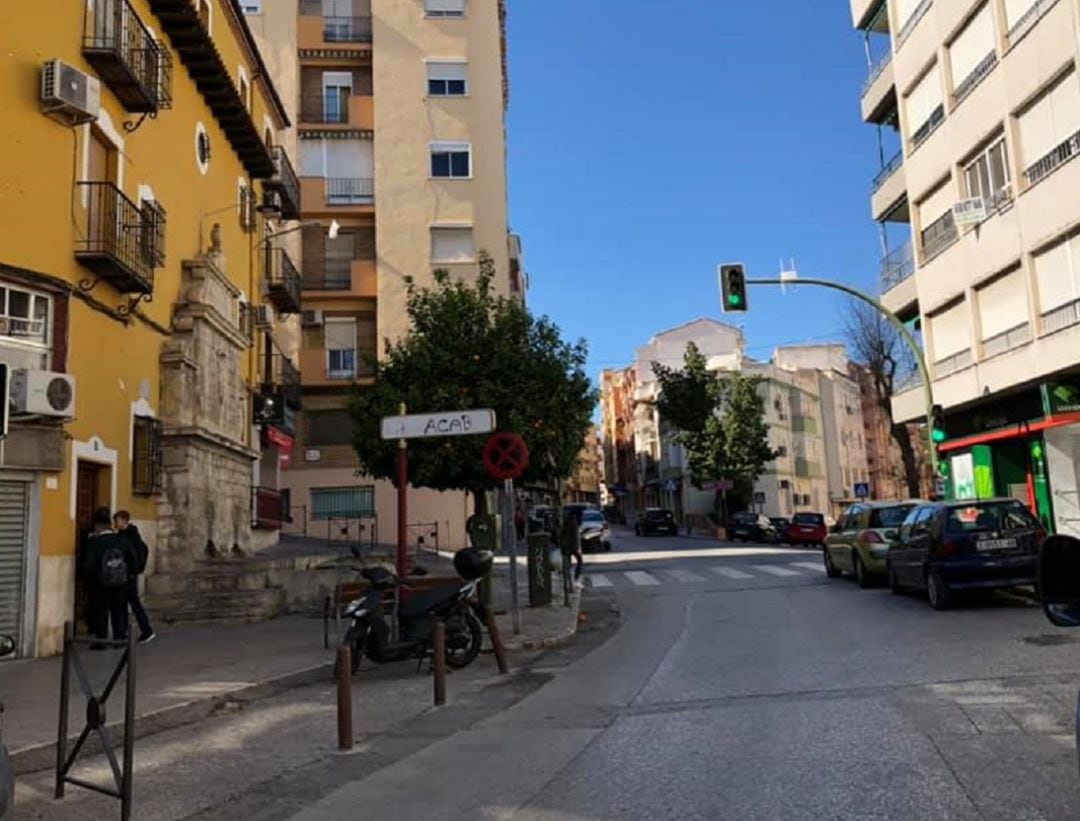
[118,241]
[340,107]
[1064,316]
[127,58]
[316,31]
[879,91]
[283,380]
[866,13]
[952,364]
[897,266]
[804,424]
[268,508]
[338,275]
[938,236]
[350,190]
[319,372]
[285,183]
[807,469]
[889,187]
[347,29]
[909,398]
[282,281]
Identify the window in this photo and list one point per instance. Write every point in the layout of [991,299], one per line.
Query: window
[340,347]
[146,472]
[444,8]
[950,332]
[25,327]
[451,160]
[1057,274]
[938,228]
[452,245]
[153,233]
[1003,307]
[244,88]
[973,53]
[342,503]
[337,89]
[251,6]
[245,203]
[448,79]
[925,111]
[328,428]
[1048,129]
[987,176]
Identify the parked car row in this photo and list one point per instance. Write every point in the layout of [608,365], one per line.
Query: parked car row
[940,548]
[802,529]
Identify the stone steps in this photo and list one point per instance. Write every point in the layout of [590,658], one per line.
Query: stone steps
[217,606]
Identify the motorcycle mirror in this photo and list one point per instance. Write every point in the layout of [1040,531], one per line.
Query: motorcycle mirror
[1059,580]
[7,646]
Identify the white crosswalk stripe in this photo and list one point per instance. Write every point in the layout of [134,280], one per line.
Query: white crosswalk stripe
[730,573]
[815,566]
[686,576]
[641,578]
[775,570]
[599,580]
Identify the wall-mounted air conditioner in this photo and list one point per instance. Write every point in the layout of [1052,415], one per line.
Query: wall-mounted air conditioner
[42,393]
[311,319]
[69,95]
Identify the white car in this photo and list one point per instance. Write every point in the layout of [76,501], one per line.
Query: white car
[594,531]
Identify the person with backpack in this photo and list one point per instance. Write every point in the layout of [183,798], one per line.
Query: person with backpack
[124,526]
[107,565]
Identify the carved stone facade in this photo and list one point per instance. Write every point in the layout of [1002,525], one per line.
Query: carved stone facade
[205,408]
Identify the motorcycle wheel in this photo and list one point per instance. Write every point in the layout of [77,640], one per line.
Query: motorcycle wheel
[463,656]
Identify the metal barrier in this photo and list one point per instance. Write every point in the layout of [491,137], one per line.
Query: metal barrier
[96,718]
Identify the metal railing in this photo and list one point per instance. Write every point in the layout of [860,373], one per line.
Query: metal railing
[328,106]
[349,190]
[335,275]
[876,70]
[890,168]
[923,132]
[284,378]
[115,240]
[127,57]
[951,364]
[347,29]
[907,381]
[1007,340]
[1062,153]
[939,235]
[286,182]
[1061,317]
[968,84]
[282,281]
[267,509]
[897,266]
[1030,18]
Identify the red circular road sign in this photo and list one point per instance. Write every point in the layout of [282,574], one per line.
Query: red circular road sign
[506,456]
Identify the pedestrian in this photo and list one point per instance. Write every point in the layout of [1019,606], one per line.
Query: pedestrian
[125,527]
[107,567]
[570,542]
[519,522]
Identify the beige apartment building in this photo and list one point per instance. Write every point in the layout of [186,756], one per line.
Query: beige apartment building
[977,104]
[400,128]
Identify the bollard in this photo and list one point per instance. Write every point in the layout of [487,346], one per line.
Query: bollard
[439,663]
[496,641]
[344,698]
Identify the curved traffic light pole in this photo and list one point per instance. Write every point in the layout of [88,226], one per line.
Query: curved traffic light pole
[905,334]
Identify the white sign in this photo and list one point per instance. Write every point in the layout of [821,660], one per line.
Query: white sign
[426,425]
[969,212]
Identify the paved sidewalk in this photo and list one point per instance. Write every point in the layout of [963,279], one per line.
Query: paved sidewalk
[191,672]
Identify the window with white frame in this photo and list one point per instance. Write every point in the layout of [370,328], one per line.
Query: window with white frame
[924,107]
[25,327]
[973,53]
[448,78]
[1046,125]
[451,161]
[1003,312]
[444,8]
[452,244]
[987,175]
[340,347]
[1057,277]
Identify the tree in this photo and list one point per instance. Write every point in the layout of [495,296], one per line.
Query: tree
[876,344]
[745,428]
[470,348]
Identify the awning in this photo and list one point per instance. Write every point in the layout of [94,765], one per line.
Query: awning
[1019,430]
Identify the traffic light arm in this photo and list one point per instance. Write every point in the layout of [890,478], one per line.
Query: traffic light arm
[905,334]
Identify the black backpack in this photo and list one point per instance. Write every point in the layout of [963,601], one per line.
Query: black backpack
[113,569]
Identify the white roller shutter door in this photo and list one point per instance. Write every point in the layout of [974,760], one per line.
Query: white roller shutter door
[923,99]
[975,42]
[14,515]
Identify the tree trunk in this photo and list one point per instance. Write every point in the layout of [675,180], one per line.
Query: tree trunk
[902,436]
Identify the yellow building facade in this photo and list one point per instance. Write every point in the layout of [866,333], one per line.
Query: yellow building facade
[133,265]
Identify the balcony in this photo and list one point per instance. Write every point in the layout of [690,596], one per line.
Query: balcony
[951,364]
[1007,340]
[118,241]
[1050,162]
[878,98]
[897,266]
[282,281]
[347,29]
[807,469]
[350,191]
[335,274]
[1063,316]
[326,107]
[890,168]
[268,510]
[126,56]
[283,380]
[285,183]
[938,236]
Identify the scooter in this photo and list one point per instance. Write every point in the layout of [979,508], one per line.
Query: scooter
[456,604]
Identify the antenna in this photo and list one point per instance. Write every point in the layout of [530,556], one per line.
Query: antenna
[789,274]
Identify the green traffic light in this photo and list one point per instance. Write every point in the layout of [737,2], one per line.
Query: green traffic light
[734,300]
[938,435]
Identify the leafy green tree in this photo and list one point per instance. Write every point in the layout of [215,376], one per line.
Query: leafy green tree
[468,347]
[747,432]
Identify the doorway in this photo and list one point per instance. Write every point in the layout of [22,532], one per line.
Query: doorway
[90,494]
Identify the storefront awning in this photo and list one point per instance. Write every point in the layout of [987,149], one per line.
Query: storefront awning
[1020,429]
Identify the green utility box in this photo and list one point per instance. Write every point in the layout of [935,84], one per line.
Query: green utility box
[539,545]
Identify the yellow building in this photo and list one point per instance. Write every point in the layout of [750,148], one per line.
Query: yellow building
[133,268]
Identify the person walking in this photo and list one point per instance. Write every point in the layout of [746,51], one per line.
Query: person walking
[107,567]
[570,542]
[122,522]
[519,522]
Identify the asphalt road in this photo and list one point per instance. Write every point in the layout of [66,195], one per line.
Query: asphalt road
[743,684]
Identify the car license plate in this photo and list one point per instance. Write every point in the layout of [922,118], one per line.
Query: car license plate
[807,529]
[996,544]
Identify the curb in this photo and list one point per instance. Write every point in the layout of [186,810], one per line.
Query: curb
[37,757]
[559,639]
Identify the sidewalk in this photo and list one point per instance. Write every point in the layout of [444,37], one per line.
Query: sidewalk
[191,672]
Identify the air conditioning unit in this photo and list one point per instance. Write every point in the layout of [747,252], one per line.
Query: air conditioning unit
[42,393]
[69,95]
[264,316]
[311,319]
[969,212]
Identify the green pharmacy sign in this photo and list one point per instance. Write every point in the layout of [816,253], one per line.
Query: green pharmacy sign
[1060,398]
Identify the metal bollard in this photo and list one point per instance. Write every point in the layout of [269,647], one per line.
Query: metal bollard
[344,698]
[496,641]
[439,663]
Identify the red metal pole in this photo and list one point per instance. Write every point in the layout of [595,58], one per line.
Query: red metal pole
[402,505]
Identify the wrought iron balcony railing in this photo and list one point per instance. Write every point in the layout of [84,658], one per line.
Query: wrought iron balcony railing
[347,29]
[1050,162]
[329,106]
[897,266]
[282,281]
[350,191]
[135,66]
[285,183]
[119,241]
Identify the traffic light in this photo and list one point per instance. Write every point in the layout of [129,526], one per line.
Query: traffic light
[937,425]
[733,288]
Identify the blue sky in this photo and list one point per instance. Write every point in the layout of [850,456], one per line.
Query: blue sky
[648,144]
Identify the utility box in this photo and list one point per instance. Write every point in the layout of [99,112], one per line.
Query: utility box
[539,545]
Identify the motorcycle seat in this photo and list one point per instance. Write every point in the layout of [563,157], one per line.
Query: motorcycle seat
[416,604]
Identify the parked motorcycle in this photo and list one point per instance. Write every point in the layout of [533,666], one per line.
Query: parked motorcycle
[455,603]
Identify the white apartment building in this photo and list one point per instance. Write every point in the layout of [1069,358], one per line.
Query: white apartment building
[977,104]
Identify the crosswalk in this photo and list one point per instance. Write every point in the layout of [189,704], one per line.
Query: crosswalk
[654,578]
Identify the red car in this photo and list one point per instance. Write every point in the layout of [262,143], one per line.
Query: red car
[807,529]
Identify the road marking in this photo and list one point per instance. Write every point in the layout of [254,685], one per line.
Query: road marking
[776,571]
[599,580]
[640,578]
[818,566]
[686,576]
[731,573]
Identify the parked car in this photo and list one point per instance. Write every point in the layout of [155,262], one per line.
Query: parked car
[656,520]
[7,774]
[780,525]
[807,529]
[578,509]
[859,543]
[746,526]
[594,531]
[947,547]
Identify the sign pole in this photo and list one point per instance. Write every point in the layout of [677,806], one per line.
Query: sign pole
[402,502]
[510,539]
